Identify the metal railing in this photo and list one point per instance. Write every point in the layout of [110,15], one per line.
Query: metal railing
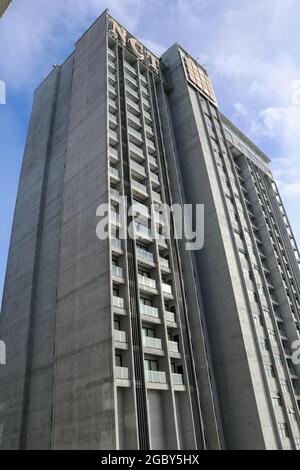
[144,254]
[177,379]
[120,336]
[156,376]
[118,302]
[153,343]
[117,271]
[149,311]
[173,346]
[147,282]
[122,373]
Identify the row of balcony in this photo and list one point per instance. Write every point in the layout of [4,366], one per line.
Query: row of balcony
[151,376]
[148,342]
[146,310]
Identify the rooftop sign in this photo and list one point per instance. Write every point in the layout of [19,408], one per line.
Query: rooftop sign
[197,76]
[117,32]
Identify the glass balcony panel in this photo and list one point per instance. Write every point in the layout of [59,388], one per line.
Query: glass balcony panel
[156,376]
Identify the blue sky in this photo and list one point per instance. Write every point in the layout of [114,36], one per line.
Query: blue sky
[250,49]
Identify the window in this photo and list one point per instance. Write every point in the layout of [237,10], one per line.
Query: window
[283,430]
[147,302]
[117,325]
[151,364]
[116,292]
[276,400]
[149,332]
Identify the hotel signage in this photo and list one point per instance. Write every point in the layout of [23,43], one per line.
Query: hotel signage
[117,32]
[197,76]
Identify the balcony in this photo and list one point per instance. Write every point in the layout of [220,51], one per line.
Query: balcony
[122,373]
[173,347]
[155,180]
[132,95]
[152,343]
[129,68]
[112,91]
[144,255]
[146,104]
[133,107]
[170,317]
[177,379]
[140,189]
[115,218]
[149,131]
[149,311]
[145,91]
[154,376]
[143,232]
[164,263]
[151,147]
[113,138]
[140,209]
[138,170]
[167,289]
[117,271]
[112,78]
[134,121]
[114,174]
[120,336]
[147,282]
[153,163]
[113,121]
[114,193]
[144,79]
[135,136]
[116,244]
[136,152]
[112,106]
[156,197]
[113,155]
[148,117]
[111,65]
[118,302]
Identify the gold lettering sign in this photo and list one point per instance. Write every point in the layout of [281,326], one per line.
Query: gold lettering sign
[197,76]
[143,54]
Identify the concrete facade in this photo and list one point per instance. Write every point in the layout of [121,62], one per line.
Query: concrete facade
[137,343]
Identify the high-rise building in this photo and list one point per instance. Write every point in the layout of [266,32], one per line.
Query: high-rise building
[138,343]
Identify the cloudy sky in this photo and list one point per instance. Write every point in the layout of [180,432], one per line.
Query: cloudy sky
[250,49]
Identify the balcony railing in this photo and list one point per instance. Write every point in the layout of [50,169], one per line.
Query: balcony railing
[130,68]
[173,346]
[114,217]
[117,271]
[177,379]
[149,311]
[118,302]
[138,168]
[114,172]
[154,376]
[134,121]
[122,373]
[115,243]
[164,262]
[140,187]
[120,336]
[114,192]
[147,282]
[153,343]
[153,161]
[135,135]
[144,254]
[167,289]
[142,230]
[136,151]
[170,316]
[114,154]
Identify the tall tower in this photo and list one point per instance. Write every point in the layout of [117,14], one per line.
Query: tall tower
[134,342]
[249,274]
